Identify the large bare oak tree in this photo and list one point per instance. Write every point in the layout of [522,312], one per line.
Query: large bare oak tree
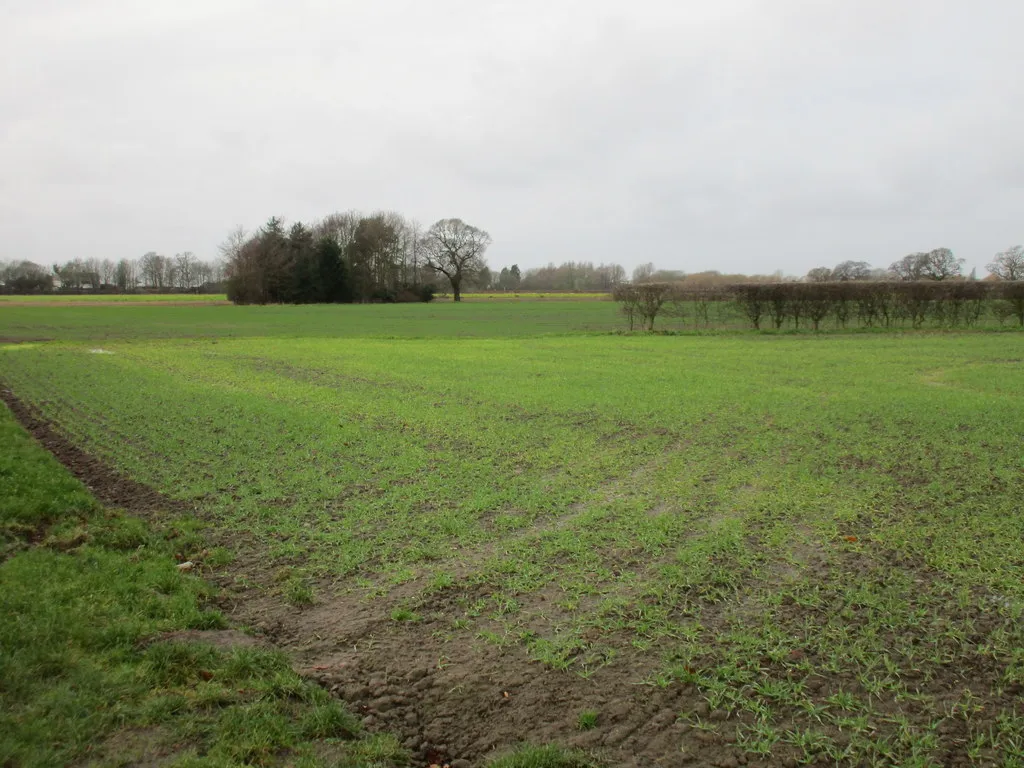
[455,249]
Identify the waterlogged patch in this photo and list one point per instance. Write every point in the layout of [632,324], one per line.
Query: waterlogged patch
[100,352]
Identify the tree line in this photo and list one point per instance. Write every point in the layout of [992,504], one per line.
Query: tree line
[183,273]
[867,304]
[351,257]
[385,257]
[939,264]
[921,288]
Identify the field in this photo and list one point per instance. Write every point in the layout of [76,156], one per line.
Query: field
[488,523]
[441,320]
[215,298]
[541,296]
[95,299]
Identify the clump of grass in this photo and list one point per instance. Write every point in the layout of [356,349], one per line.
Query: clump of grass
[402,613]
[219,557]
[329,720]
[297,591]
[587,720]
[546,756]
[380,749]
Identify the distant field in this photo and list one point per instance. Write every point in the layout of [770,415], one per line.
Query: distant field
[474,318]
[136,298]
[442,319]
[132,298]
[768,547]
[513,295]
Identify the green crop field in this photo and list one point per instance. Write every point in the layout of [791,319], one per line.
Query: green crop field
[734,549]
[444,320]
[535,295]
[53,299]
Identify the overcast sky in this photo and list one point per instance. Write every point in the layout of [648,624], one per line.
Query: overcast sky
[738,135]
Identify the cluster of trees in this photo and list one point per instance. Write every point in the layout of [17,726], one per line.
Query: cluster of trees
[648,273]
[349,257]
[25,277]
[939,264]
[715,279]
[568,276]
[183,272]
[951,303]
[847,270]
[509,279]
[571,276]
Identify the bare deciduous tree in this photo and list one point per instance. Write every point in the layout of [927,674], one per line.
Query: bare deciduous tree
[1008,265]
[108,271]
[852,270]
[909,267]
[185,269]
[941,264]
[93,268]
[339,227]
[152,267]
[204,273]
[125,275]
[629,298]
[232,246]
[456,250]
[643,301]
[819,275]
[642,273]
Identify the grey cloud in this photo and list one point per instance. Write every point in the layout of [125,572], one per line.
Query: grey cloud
[739,135]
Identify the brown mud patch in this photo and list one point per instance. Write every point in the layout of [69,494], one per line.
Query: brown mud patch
[451,696]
